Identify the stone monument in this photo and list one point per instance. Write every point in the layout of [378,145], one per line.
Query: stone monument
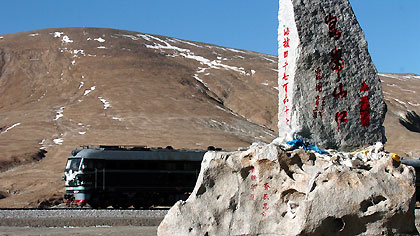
[329,95]
[267,190]
[329,91]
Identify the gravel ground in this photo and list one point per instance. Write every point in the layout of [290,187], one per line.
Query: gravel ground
[122,222]
[4,214]
[80,218]
[103,230]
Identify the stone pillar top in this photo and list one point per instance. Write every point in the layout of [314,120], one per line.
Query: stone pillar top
[329,91]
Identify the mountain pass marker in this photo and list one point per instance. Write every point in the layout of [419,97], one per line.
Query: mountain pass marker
[329,90]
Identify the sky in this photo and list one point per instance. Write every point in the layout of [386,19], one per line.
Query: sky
[392,27]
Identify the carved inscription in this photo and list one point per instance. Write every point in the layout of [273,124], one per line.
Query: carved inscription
[285,78]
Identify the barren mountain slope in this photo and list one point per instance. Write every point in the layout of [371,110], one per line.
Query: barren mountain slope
[61,88]
[402,94]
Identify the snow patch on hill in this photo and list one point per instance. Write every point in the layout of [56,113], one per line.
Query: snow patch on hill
[66,39]
[414,104]
[162,45]
[228,111]
[58,141]
[87,91]
[101,40]
[268,59]
[201,81]
[408,90]
[117,118]
[168,44]
[400,77]
[235,50]
[132,37]
[59,113]
[201,70]
[77,51]
[42,96]
[186,42]
[215,64]
[399,101]
[58,34]
[10,127]
[105,102]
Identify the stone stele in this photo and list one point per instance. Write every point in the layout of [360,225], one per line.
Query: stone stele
[329,91]
[267,190]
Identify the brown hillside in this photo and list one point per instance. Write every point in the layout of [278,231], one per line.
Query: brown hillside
[402,94]
[62,88]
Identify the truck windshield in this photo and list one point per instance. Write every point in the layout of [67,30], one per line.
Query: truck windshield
[73,164]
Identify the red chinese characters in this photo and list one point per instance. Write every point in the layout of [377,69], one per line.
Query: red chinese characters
[319,87]
[265,207]
[285,78]
[340,117]
[286,42]
[339,92]
[318,74]
[332,21]
[364,111]
[337,64]
[364,87]
[318,109]
[265,198]
[364,106]
[286,31]
[253,185]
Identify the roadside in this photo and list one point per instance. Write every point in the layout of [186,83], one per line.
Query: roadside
[103,229]
[80,218]
[93,230]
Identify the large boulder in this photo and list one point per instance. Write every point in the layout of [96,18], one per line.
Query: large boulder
[267,190]
[329,90]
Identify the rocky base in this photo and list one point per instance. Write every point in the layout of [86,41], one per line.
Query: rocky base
[267,190]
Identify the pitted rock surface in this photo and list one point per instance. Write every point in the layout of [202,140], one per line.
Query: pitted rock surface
[329,90]
[269,191]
